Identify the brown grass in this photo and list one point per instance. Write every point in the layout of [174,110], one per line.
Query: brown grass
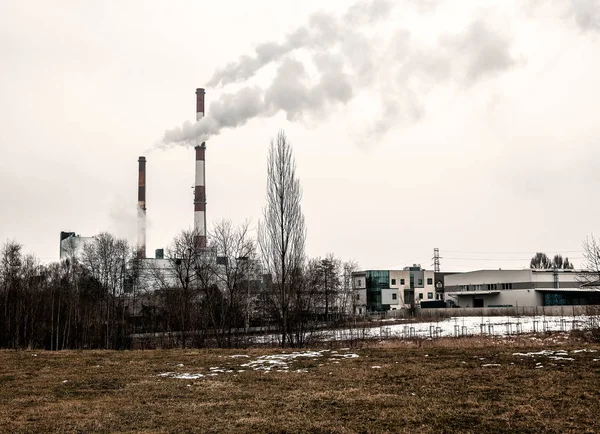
[421,386]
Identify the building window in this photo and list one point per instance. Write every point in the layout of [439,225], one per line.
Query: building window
[429,281]
[358,296]
[394,296]
[359,282]
[430,296]
[491,286]
[420,296]
[507,286]
[401,281]
[393,281]
[420,282]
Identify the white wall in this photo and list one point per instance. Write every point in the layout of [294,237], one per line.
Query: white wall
[387,298]
[488,276]
[514,297]
[428,288]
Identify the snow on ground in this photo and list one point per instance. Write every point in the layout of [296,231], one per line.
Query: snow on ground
[181,376]
[498,326]
[489,325]
[283,362]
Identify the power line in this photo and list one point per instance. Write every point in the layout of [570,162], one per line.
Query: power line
[500,259]
[513,253]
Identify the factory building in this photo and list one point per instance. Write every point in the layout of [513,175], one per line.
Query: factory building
[71,244]
[381,290]
[511,288]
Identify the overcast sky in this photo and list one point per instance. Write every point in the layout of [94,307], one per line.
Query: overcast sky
[415,124]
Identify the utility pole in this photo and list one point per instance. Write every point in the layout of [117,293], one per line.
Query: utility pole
[436,260]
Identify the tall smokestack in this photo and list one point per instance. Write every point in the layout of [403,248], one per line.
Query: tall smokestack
[200,188]
[141,241]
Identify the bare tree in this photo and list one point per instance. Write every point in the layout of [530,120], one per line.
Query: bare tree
[590,275]
[282,233]
[188,277]
[540,261]
[236,252]
[347,299]
[327,281]
[559,263]
[106,259]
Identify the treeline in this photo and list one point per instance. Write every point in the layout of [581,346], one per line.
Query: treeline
[102,295]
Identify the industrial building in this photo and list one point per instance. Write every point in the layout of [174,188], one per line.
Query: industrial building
[150,271]
[381,290]
[71,244]
[511,288]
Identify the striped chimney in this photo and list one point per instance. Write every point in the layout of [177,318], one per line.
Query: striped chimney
[141,208]
[200,186]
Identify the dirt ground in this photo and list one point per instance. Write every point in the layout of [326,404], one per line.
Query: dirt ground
[469,385]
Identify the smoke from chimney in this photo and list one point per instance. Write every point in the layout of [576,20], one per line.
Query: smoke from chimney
[141,208]
[292,90]
[344,55]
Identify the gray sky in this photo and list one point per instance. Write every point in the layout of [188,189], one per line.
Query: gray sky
[415,124]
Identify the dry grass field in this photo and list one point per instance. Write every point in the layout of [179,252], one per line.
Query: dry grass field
[453,385]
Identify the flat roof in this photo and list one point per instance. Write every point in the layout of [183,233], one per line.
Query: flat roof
[567,290]
[473,292]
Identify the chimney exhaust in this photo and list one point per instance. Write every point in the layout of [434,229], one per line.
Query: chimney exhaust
[200,185]
[141,208]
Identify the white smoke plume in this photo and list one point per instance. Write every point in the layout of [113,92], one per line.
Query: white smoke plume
[348,56]
[586,14]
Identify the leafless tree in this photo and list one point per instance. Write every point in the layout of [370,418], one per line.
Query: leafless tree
[347,299]
[590,275]
[187,278]
[540,261]
[236,254]
[106,259]
[282,233]
[327,282]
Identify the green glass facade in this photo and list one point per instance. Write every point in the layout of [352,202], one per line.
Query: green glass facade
[376,280]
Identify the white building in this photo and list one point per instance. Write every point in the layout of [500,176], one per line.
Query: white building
[381,290]
[508,288]
[71,244]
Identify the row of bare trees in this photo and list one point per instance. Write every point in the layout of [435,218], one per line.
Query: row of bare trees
[76,303]
[103,296]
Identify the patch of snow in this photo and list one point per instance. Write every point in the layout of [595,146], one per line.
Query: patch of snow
[345,356]
[560,358]
[490,365]
[375,367]
[537,353]
[585,350]
[184,376]
[236,356]
[180,365]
